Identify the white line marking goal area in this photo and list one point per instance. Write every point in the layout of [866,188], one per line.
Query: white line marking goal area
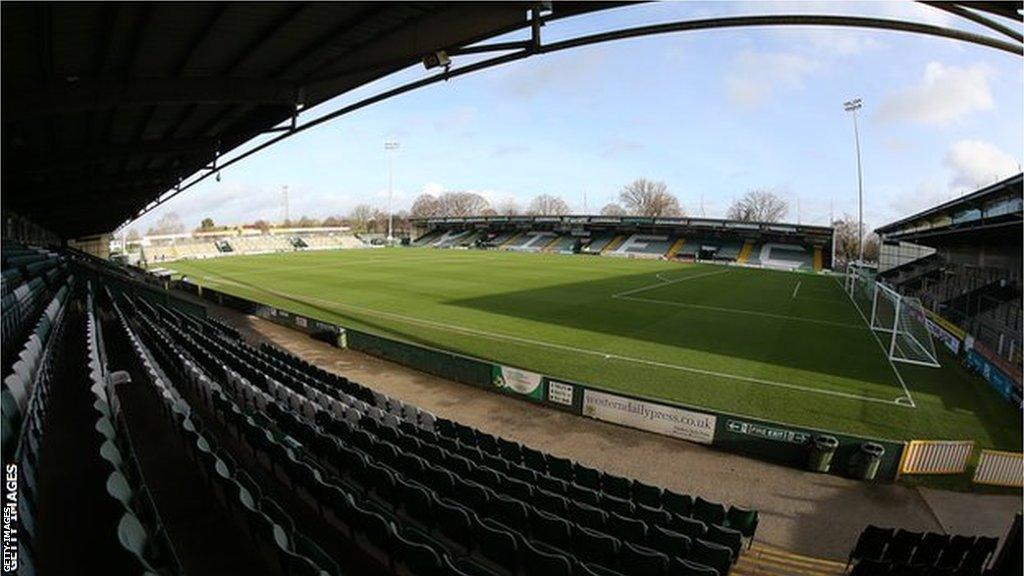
[341,306]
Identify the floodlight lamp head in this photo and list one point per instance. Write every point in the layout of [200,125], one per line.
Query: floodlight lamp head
[852,105]
[436,60]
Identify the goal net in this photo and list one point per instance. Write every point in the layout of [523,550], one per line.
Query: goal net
[899,319]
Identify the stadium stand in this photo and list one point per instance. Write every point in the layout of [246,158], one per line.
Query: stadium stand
[780,246]
[417,493]
[881,551]
[168,248]
[644,246]
[962,259]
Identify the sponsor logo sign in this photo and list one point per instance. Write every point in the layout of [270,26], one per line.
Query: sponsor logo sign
[940,333]
[560,392]
[667,420]
[300,321]
[518,381]
[767,432]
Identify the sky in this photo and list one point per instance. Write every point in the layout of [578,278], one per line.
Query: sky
[713,114]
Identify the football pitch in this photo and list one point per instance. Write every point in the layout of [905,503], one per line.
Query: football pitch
[781,346]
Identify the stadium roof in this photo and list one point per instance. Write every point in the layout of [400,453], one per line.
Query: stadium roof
[1011,185]
[109,106]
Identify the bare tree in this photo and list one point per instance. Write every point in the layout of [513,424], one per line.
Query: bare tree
[333,221]
[759,206]
[132,235]
[846,239]
[547,205]
[461,204]
[613,209]
[507,207]
[644,197]
[424,206]
[360,217]
[169,223]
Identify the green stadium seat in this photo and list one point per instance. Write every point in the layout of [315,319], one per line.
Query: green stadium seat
[511,512]
[681,504]
[541,559]
[688,526]
[308,549]
[953,554]
[871,543]
[593,546]
[550,502]
[518,489]
[522,473]
[454,522]
[626,528]
[552,484]
[468,566]
[589,569]
[744,520]
[668,542]
[682,567]
[535,460]
[642,561]
[560,468]
[710,554]
[646,494]
[731,539]
[497,544]
[588,515]
[551,529]
[901,546]
[708,512]
[932,545]
[586,476]
[411,558]
[653,516]
[584,495]
[613,504]
[617,486]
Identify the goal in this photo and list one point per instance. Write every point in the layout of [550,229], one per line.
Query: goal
[900,319]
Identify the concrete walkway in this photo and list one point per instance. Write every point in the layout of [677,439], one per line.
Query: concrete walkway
[810,514]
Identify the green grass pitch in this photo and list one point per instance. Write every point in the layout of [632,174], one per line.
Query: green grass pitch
[776,345]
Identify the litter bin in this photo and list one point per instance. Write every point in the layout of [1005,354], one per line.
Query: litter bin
[866,465]
[822,449]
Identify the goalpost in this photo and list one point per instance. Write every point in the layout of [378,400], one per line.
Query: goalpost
[900,318]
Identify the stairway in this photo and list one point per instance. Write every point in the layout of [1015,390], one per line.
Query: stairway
[615,243]
[765,560]
[676,247]
[748,247]
[547,247]
[510,239]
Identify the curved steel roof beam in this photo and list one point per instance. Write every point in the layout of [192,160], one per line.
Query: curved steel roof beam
[958,10]
[625,33]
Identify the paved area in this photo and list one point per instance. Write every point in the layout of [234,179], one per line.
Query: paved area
[809,514]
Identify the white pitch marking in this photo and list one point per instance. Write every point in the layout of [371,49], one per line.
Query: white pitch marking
[665,283]
[739,311]
[796,289]
[507,337]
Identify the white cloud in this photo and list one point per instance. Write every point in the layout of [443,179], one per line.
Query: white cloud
[755,76]
[977,162]
[945,94]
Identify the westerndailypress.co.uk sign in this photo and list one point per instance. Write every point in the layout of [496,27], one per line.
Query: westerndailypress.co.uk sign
[692,426]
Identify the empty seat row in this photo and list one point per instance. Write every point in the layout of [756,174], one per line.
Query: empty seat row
[888,551]
[304,395]
[268,525]
[23,401]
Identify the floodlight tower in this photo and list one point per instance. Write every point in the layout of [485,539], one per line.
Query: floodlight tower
[852,106]
[389,148]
